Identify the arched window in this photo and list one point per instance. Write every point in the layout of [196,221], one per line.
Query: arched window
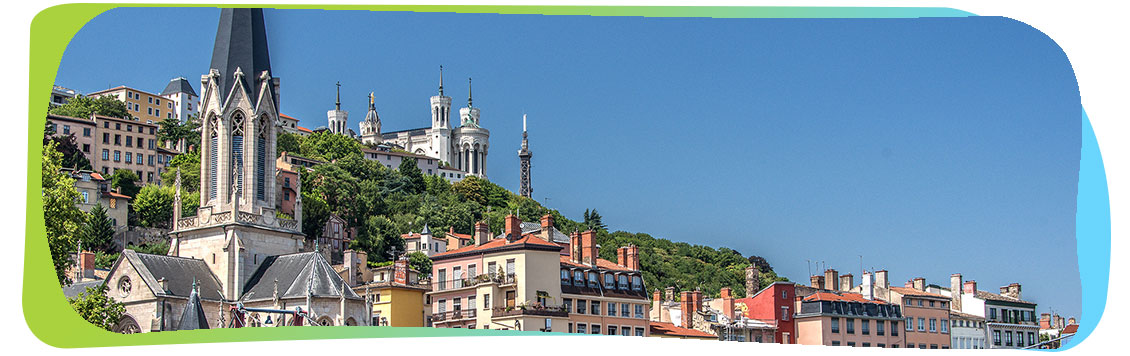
[261,159]
[237,151]
[213,156]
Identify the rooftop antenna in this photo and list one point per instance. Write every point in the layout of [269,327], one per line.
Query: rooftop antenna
[809,263]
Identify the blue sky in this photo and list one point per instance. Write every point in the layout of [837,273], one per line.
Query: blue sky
[926,146]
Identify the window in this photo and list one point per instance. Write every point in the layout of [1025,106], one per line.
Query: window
[910,346]
[865,327]
[639,311]
[624,310]
[151,100]
[578,278]
[593,281]
[150,159]
[105,138]
[567,303]
[625,331]
[117,126]
[879,327]
[86,147]
[595,308]
[486,301]
[945,326]
[882,346]
[920,302]
[907,301]
[921,324]
[623,282]
[85,197]
[867,344]
[1031,338]
[582,328]
[609,281]
[637,283]
[993,314]
[581,306]
[639,332]
[129,128]
[611,309]
[117,140]
[66,129]
[129,157]
[909,324]
[785,313]
[611,330]
[850,325]
[129,141]
[1007,338]
[595,329]
[835,342]
[934,346]
[931,303]
[105,155]
[851,344]
[894,328]
[835,325]
[997,337]
[933,325]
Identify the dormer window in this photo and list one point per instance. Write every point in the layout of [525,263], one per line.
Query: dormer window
[578,278]
[593,281]
[565,277]
[623,282]
[637,283]
[609,281]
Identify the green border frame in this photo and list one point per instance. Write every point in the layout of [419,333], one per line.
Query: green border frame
[46,311]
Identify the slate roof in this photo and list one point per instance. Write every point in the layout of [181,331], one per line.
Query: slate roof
[533,227]
[295,273]
[179,85]
[75,289]
[917,293]
[179,272]
[241,42]
[192,317]
[997,297]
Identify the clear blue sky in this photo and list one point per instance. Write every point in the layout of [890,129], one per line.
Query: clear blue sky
[928,146]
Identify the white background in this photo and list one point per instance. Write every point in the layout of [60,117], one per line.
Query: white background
[1093,34]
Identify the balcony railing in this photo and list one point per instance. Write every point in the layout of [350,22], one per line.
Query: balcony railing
[537,310]
[454,315]
[458,283]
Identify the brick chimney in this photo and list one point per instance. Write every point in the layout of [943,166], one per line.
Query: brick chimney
[920,284]
[633,254]
[970,287]
[622,256]
[685,301]
[546,227]
[588,248]
[575,247]
[881,279]
[482,233]
[669,294]
[1011,290]
[86,265]
[513,227]
[846,282]
[727,302]
[656,295]
[752,281]
[831,279]
[817,281]
[908,284]
[696,304]
[1045,321]
[955,291]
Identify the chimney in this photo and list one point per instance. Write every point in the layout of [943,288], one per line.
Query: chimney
[955,291]
[575,247]
[846,282]
[920,284]
[908,284]
[867,284]
[1011,290]
[513,227]
[633,253]
[86,263]
[696,303]
[622,256]
[400,271]
[817,281]
[881,279]
[831,279]
[656,295]
[547,226]
[752,281]
[725,293]
[349,261]
[727,303]
[482,233]
[1045,321]
[669,294]
[685,300]
[970,287]
[164,283]
[588,248]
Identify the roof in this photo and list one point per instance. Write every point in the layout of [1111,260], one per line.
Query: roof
[501,244]
[306,130]
[394,153]
[917,293]
[965,315]
[843,297]
[179,85]
[117,88]
[600,264]
[532,227]
[1000,298]
[459,236]
[285,116]
[179,273]
[241,43]
[74,289]
[70,118]
[295,275]
[672,330]
[114,194]
[192,317]
[1070,329]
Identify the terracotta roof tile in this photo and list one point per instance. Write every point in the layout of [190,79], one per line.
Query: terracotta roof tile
[1070,329]
[672,330]
[303,129]
[529,239]
[600,263]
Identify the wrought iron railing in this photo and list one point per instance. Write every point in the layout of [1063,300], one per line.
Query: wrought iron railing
[535,309]
[457,283]
[454,315]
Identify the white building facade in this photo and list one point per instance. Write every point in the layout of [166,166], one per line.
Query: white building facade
[182,98]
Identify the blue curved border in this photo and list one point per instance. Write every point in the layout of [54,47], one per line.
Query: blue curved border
[1092,234]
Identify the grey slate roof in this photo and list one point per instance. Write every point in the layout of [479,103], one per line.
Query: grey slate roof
[241,42]
[192,317]
[532,227]
[997,297]
[75,289]
[179,272]
[295,273]
[179,85]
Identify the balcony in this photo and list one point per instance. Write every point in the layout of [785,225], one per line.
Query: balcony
[460,283]
[454,315]
[533,310]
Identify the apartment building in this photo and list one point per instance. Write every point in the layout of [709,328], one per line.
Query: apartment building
[847,319]
[424,242]
[141,105]
[126,144]
[83,130]
[289,124]
[603,297]
[395,293]
[927,315]
[94,189]
[61,95]
[967,331]
[1009,321]
[288,182]
[183,98]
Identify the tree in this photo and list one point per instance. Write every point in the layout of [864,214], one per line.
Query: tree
[154,205]
[98,233]
[470,189]
[73,157]
[379,238]
[328,146]
[411,172]
[315,213]
[97,308]
[593,221]
[126,180]
[288,142]
[84,106]
[61,218]
[421,263]
[189,164]
[189,203]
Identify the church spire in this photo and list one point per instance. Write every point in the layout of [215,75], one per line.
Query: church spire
[440,80]
[241,42]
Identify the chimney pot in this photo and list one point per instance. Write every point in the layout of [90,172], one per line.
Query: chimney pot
[633,256]
[920,284]
[513,227]
[817,281]
[588,248]
[970,287]
[831,279]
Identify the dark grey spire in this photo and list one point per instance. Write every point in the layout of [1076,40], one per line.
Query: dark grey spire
[469,92]
[192,317]
[441,80]
[337,104]
[241,43]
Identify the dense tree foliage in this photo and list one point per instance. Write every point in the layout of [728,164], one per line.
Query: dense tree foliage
[98,308]
[173,130]
[73,157]
[61,218]
[126,180]
[98,232]
[154,205]
[420,262]
[189,165]
[327,146]
[288,142]
[83,106]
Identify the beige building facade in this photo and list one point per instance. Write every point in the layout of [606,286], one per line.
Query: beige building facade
[141,105]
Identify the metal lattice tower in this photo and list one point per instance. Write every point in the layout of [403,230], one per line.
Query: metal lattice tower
[524,155]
